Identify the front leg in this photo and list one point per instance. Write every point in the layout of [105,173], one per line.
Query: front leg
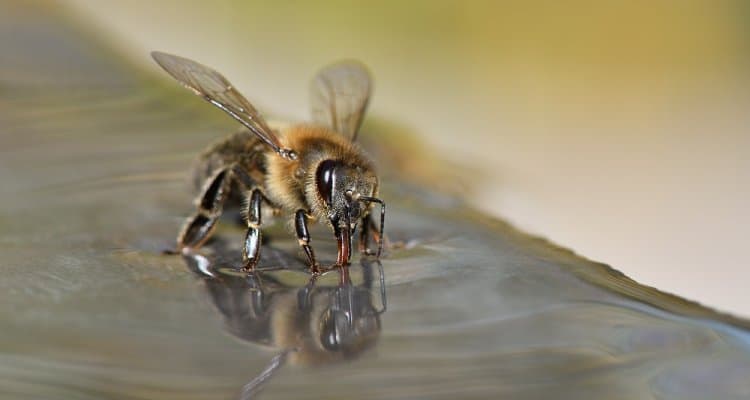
[364,235]
[199,226]
[369,228]
[303,236]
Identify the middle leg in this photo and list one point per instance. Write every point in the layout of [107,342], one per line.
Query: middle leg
[251,244]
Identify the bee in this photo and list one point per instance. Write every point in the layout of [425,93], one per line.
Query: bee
[311,172]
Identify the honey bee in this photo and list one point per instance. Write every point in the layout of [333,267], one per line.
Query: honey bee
[311,172]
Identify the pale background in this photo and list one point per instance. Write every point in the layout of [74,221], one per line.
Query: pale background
[619,131]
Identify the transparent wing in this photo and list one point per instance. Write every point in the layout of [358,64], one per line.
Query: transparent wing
[217,90]
[339,97]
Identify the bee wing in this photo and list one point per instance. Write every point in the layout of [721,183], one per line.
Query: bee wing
[339,95]
[217,90]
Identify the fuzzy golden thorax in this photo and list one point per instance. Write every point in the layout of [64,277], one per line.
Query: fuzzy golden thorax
[326,179]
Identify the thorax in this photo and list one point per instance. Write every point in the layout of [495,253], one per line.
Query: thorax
[291,183]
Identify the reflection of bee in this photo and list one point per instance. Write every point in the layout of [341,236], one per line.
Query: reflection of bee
[311,325]
[312,172]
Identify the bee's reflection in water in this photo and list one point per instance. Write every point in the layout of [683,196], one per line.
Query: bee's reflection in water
[317,322]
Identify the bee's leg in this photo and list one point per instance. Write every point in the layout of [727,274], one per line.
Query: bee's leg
[251,245]
[368,228]
[303,235]
[198,227]
[364,235]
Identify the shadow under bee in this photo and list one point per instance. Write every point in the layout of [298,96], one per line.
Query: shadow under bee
[307,320]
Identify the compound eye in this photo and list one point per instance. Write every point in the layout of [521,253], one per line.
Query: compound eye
[324,179]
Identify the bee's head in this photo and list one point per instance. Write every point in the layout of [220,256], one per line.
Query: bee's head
[342,189]
[346,192]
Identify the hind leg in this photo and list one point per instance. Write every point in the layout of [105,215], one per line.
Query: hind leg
[199,226]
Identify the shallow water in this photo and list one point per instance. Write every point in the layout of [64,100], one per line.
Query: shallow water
[94,163]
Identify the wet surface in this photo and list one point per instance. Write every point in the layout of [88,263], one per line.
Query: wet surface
[95,159]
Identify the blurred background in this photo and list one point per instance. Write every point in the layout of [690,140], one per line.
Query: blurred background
[617,129]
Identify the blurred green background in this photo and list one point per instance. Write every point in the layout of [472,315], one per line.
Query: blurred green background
[618,129]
